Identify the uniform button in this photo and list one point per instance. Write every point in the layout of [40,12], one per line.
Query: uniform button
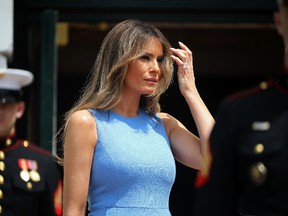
[259,148]
[1,180]
[263,85]
[29,186]
[2,155]
[8,142]
[1,194]
[25,143]
[2,166]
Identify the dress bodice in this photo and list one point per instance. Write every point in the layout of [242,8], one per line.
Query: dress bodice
[133,168]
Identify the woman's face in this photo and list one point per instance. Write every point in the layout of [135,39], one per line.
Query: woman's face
[144,73]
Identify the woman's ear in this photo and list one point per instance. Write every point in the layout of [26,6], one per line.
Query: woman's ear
[20,109]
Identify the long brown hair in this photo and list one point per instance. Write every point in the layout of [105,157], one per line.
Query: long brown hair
[124,43]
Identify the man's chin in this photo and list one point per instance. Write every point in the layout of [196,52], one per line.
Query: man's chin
[3,132]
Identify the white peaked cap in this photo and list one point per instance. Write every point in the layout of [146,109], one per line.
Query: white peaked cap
[14,79]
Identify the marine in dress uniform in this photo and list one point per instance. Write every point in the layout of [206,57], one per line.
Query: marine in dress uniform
[249,147]
[247,172]
[30,183]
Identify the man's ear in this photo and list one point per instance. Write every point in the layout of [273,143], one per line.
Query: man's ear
[20,109]
[278,22]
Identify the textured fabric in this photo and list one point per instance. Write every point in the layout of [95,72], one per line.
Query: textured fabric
[133,167]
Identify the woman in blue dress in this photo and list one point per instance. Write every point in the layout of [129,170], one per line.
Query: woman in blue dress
[119,149]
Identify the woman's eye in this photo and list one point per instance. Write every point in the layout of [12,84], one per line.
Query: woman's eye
[145,57]
[160,60]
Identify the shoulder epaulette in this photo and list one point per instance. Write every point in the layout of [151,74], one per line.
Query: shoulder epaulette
[35,148]
[250,91]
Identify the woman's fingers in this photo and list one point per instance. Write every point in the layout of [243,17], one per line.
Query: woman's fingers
[182,56]
[183,53]
[184,47]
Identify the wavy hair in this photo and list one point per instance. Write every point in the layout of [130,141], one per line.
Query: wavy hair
[124,43]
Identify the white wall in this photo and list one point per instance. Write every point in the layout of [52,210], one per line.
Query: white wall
[6,31]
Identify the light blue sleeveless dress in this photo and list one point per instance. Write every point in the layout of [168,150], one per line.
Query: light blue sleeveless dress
[133,168]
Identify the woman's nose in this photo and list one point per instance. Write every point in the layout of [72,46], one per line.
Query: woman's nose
[156,66]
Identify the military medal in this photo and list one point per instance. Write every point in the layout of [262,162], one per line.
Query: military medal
[34,175]
[29,170]
[24,174]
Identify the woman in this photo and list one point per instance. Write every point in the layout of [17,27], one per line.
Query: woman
[119,149]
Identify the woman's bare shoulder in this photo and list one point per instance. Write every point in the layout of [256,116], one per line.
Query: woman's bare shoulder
[165,116]
[81,126]
[81,118]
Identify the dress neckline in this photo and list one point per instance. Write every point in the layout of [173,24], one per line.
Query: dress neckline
[119,116]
